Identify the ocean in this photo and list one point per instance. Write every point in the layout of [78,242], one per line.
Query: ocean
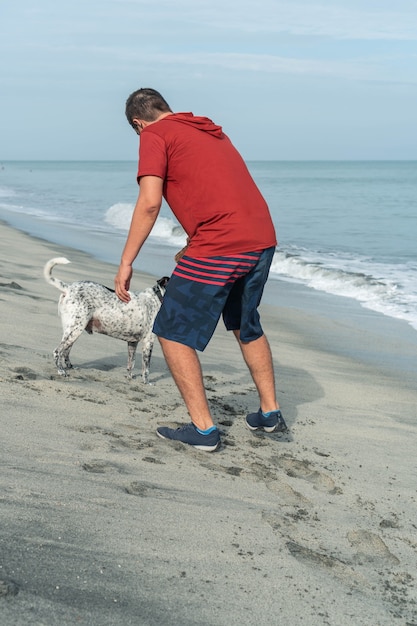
[345,229]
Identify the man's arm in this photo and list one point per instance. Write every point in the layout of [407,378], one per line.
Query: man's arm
[144,217]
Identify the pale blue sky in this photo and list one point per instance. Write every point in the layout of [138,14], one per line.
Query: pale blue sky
[293,79]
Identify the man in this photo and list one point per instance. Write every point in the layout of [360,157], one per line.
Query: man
[190,162]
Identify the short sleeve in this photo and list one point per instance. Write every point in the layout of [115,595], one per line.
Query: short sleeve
[152,155]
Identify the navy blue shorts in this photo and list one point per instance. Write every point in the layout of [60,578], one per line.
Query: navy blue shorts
[201,290]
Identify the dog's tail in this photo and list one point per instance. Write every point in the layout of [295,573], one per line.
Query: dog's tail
[47,272]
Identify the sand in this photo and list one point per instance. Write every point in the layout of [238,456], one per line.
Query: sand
[104,523]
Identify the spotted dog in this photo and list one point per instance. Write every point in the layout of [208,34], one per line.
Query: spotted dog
[85,305]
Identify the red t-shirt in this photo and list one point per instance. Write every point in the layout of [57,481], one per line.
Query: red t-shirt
[207,186]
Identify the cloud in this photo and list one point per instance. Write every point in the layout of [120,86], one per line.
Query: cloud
[100,61]
[366,20]
[360,20]
[359,69]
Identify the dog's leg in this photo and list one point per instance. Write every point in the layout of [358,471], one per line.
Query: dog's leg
[61,353]
[131,351]
[68,363]
[147,347]
[60,361]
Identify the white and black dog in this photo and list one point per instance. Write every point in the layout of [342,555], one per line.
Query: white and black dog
[85,305]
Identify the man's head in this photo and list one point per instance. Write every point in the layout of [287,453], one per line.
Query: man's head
[145,105]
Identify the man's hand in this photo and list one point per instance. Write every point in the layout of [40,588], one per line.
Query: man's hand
[122,282]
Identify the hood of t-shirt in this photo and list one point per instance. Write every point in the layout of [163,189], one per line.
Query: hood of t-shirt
[200,123]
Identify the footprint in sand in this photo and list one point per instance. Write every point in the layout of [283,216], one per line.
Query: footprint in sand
[97,466]
[144,489]
[24,373]
[285,523]
[332,565]
[274,482]
[303,469]
[370,547]
[286,494]
[152,459]
[8,588]
[138,488]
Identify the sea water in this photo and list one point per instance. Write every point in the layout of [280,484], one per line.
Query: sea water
[345,228]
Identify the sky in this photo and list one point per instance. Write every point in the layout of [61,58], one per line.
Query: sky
[287,80]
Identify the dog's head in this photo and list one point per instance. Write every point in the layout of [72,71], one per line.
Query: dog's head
[160,287]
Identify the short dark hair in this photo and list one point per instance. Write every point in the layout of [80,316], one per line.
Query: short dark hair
[146,104]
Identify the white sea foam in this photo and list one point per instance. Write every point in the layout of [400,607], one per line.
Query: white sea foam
[169,232]
[119,215]
[27,210]
[165,229]
[6,192]
[390,289]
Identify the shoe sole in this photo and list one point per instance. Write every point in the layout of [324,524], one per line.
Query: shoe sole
[197,447]
[279,427]
[267,429]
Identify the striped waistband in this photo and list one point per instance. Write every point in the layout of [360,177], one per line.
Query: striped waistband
[218,270]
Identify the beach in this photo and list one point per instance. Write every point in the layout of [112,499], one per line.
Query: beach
[104,523]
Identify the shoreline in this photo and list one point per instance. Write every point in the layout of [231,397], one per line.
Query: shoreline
[105,523]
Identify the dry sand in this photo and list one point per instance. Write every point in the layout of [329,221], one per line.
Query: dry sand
[104,523]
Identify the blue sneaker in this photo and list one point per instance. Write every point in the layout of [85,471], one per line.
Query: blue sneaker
[189,434]
[273,421]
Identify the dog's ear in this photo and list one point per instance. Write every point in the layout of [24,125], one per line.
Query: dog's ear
[162,282]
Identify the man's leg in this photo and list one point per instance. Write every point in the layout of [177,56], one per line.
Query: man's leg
[185,368]
[258,358]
